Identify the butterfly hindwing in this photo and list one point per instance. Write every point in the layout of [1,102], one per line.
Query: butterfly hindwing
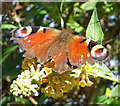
[78,51]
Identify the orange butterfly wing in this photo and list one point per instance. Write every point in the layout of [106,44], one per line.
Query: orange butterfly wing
[81,50]
[37,44]
[78,53]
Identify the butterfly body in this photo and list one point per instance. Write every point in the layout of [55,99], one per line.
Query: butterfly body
[48,43]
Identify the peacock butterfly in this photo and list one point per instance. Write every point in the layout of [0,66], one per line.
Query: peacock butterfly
[60,45]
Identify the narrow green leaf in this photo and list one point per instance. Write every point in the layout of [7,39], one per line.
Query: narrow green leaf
[7,52]
[94,31]
[115,92]
[42,99]
[9,66]
[6,26]
[88,6]
[105,73]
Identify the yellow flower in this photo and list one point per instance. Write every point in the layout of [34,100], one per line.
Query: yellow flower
[27,63]
[65,75]
[56,80]
[58,84]
[82,83]
[44,80]
[58,93]
[49,89]
[82,72]
[49,64]
[89,83]
[72,79]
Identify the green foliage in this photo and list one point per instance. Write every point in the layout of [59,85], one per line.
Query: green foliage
[42,99]
[6,26]
[8,69]
[8,99]
[110,96]
[115,92]
[88,6]
[94,31]
[105,72]
[7,51]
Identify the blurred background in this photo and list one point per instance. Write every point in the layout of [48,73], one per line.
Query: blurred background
[61,15]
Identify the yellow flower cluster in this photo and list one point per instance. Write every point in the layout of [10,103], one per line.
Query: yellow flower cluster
[27,63]
[56,83]
[82,72]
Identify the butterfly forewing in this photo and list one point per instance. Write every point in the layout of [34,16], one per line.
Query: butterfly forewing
[37,44]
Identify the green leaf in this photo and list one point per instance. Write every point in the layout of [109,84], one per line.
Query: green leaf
[88,6]
[77,9]
[24,101]
[7,51]
[43,12]
[76,4]
[68,104]
[42,99]
[9,66]
[115,92]
[7,99]
[101,98]
[6,26]
[94,31]
[108,101]
[75,25]
[105,73]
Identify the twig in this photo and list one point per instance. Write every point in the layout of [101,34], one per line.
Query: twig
[33,100]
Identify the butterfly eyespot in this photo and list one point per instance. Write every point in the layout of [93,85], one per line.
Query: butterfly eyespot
[99,52]
[22,32]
